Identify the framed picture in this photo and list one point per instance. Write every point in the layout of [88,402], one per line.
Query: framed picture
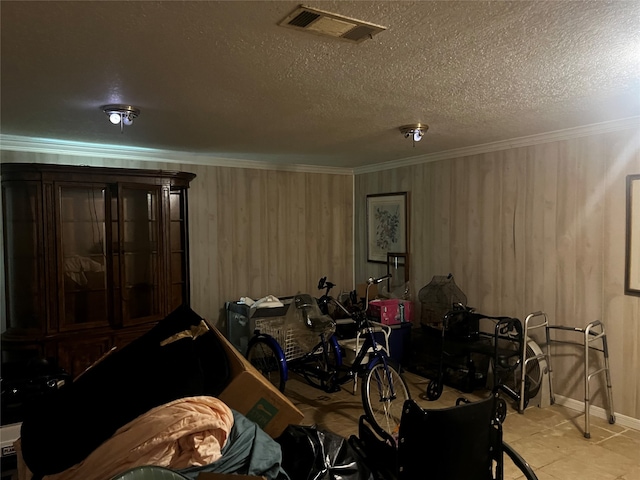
[632,260]
[398,268]
[386,225]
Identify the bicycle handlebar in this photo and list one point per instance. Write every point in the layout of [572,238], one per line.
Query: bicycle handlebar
[374,281]
[323,284]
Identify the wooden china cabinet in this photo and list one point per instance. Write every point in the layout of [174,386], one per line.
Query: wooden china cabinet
[93,256]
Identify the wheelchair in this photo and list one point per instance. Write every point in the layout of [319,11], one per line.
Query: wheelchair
[462,442]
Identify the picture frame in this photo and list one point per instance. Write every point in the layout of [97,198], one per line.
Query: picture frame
[632,250]
[398,268]
[387,225]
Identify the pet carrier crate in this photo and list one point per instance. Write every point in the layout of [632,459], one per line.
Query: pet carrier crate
[437,298]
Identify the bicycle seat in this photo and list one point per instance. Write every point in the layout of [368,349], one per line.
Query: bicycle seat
[311,315]
[304,300]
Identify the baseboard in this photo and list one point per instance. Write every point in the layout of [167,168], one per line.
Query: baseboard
[599,412]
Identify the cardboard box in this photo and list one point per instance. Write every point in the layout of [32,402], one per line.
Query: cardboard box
[248,393]
[392,311]
[361,291]
[254,396]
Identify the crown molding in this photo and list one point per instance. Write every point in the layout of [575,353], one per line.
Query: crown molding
[558,135]
[60,147]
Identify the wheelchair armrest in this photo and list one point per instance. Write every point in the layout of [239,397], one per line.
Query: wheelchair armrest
[377,450]
[519,462]
[370,433]
[372,462]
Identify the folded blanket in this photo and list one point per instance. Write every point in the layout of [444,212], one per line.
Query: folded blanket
[185,432]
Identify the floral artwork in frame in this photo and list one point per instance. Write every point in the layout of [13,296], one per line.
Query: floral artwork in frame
[386,225]
[632,261]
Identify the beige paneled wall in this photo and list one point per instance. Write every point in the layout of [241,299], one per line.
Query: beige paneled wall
[531,228]
[254,232]
[259,232]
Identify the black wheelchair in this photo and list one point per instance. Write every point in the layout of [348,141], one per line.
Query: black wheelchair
[462,442]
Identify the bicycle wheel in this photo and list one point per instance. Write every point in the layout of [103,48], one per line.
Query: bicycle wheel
[265,355]
[384,392]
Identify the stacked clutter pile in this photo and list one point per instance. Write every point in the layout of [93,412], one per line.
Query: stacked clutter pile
[182,365]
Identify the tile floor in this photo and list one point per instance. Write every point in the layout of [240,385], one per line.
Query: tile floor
[550,439]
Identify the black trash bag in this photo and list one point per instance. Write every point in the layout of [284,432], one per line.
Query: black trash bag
[312,454]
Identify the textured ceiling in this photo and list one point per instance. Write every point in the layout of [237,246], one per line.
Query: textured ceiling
[223,79]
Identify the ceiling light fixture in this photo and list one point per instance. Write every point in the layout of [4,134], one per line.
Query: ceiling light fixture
[121,114]
[415,131]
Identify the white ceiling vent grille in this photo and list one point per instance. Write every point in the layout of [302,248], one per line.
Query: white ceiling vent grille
[329,24]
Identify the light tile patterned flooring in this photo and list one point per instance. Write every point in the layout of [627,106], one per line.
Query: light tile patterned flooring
[550,439]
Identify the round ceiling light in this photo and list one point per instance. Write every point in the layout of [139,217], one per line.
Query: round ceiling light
[415,131]
[121,114]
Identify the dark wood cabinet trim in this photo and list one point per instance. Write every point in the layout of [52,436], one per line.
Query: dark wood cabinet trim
[55,339]
[51,172]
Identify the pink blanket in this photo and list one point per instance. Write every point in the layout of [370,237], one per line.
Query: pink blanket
[185,432]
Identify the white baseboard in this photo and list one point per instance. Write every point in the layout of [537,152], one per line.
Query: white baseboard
[599,412]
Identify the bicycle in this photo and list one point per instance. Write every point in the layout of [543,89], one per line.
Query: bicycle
[275,351]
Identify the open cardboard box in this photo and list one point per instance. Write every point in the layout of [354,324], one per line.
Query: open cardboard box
[254,396]
[248,393]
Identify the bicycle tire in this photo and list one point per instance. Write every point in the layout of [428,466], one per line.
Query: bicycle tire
[267,357]
[384,412]
[320,372]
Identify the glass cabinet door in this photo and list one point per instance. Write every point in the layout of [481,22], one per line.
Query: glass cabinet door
[139,256]
[82,216]
[23,260]
[178,250]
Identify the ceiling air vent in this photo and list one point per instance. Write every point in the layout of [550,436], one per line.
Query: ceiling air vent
[329,24]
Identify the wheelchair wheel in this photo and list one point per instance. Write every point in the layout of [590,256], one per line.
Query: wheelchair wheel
[434,389]
[383,409]
[266,356]
[501,409]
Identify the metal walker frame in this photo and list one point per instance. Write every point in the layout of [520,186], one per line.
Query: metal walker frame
[528,327]
[593,332]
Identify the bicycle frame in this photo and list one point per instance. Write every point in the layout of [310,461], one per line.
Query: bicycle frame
[329,380]
[305,365]
[370,346]
[383,388]
[334,373]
